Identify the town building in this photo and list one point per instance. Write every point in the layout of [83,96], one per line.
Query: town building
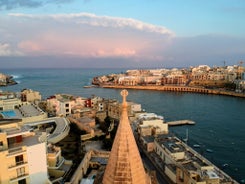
[62,104]
[184,165]
[8,101]
[91,168]
[25,155]
[12,107]
[19,150]
[28,95]
[150,124]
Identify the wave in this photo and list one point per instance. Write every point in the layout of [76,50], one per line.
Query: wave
[16,76]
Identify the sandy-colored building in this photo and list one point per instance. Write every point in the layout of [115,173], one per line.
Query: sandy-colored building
[62,104]
[25,155]
[152,127]
[9,102]
[28,95]
[19,151]
[183,165]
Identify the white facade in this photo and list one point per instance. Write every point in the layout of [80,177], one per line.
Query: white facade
[37,163]
[9,104]
[135,107]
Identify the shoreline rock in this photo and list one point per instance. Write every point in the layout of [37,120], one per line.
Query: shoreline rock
[6,80]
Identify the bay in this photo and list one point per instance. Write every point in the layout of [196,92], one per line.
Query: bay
[220,120]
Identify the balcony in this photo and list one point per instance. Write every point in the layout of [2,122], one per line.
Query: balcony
[58,165]
[20,177]
[15,151]
[17,165]
[54,151]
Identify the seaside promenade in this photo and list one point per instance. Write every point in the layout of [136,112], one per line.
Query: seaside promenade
[178,89]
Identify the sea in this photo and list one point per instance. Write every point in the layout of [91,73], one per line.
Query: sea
[220,120]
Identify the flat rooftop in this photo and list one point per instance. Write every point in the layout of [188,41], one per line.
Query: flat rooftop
[23,111]
[149,138]
[171,143]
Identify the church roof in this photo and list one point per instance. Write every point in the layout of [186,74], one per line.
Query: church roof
[124,165]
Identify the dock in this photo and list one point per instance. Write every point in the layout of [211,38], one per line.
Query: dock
[91,86]
[181,122]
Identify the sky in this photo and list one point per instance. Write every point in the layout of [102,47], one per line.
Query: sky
[121,34]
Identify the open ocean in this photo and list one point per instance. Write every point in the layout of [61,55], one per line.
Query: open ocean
[220,120]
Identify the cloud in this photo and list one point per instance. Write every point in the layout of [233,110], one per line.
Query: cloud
[101,21]
[12,4]
[5,50]
[86,35]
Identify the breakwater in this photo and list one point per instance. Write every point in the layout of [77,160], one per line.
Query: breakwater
[179,89]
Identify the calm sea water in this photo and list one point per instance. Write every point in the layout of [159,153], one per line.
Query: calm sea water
[220,120]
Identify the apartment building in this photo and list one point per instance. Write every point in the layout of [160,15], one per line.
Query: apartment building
[28,95]
[183,165]
[8,101]
[62,104]
[115,107]
[23,157]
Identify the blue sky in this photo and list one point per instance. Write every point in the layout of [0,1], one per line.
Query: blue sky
[129,33]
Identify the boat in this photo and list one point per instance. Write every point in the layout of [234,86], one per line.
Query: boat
[196,146]
[209,150]
[225,165]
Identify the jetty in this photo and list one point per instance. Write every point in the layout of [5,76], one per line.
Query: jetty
[177,89]
[181,122]
[91,86]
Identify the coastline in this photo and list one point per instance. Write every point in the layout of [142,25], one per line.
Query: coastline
[6,80]
[178,89]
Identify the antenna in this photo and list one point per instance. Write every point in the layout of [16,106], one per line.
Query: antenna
[241,63]
[240,69]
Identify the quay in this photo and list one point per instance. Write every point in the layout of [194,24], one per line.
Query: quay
[181,122]
[177,89]
[91,86]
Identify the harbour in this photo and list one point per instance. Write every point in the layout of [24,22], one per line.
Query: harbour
[219,119]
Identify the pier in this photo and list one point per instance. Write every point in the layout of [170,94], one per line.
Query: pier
[178,89]
[180,122]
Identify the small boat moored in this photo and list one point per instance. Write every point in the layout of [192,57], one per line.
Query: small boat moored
[196,146]
[209,150]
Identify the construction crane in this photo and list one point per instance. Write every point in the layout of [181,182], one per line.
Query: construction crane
[239,76]
[224,63]
[240,69]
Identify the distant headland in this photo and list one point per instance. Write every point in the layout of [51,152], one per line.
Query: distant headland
[226,80]
[6,80]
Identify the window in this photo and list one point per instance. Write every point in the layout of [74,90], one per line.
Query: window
[20,171]
[19,159]
[1,145]
[23,181]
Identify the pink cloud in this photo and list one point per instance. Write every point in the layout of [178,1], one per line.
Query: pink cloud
[29,46]
[83,46]
[87,35]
